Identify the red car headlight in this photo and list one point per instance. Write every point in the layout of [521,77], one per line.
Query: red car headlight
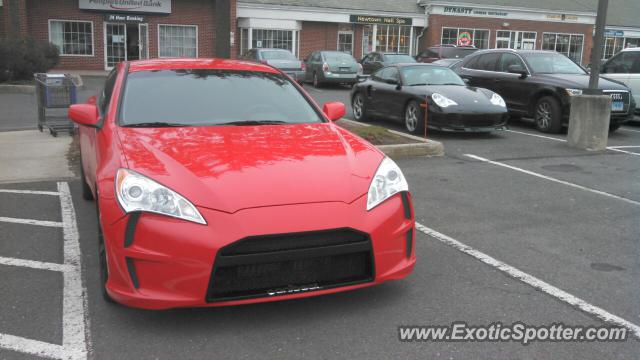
[387,182]
[136,192]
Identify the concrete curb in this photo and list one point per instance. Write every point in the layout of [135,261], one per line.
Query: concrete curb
[17,89]
[425,147]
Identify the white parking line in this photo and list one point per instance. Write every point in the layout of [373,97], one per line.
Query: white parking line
[612,148]
[528,172]
[40,265]
[30,222]
[532,281]
[624,147]
[627,129]
[74,300]
[74,313]
[34,192]
[33,347]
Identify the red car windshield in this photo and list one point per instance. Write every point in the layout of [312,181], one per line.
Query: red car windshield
[206,97]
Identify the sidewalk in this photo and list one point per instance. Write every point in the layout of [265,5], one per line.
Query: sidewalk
[31,156]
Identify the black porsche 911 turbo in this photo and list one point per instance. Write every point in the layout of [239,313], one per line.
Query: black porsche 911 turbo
[403,91]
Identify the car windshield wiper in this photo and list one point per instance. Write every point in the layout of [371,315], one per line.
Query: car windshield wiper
[423,84]
[254,122]
[457,84]
[155,124]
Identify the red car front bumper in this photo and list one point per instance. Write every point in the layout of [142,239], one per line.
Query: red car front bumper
[166,263]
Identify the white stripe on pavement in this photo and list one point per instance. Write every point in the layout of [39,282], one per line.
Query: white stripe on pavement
[74,314]
[531,280]
[528,172]
[30,222]
[33,192]
[627,129]
[624,147]
[612,148]
[39,265]
[33,347]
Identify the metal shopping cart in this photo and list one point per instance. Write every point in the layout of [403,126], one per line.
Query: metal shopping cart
[55,92]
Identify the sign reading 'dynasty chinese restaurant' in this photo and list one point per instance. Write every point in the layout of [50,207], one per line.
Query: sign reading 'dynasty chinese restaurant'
[384,20]
[140,6]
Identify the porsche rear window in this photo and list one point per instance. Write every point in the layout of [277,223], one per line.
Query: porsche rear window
[212,97]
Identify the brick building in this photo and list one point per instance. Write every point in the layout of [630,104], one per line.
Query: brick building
[95,34]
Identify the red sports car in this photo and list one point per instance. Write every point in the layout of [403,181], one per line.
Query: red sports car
[221,182]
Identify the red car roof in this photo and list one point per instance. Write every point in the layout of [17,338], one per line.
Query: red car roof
[214,64]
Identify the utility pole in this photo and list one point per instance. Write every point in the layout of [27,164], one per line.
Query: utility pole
[596,51]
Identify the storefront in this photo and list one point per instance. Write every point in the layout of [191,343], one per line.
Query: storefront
[507,27]
[92,34]
[617,39]
[306,29]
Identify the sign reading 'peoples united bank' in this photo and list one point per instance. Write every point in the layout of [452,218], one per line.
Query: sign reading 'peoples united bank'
[140,6]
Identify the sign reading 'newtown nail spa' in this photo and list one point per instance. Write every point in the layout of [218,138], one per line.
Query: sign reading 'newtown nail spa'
[140,6]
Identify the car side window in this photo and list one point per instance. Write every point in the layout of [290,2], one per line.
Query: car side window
[107,91]
[508,59]
[432,53]
[386,74]
[393,74]
[487,62]
[624,63]
[380,74]
[315,57]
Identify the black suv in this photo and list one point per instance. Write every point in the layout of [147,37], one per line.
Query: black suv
[539,84]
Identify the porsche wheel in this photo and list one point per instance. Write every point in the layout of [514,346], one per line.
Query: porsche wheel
[414,118]
[358,107]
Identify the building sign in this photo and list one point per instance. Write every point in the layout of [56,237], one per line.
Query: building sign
[124,18]
[614,33]
[562,17]
[461,10]
[465,39]
[142,6]
[384,20]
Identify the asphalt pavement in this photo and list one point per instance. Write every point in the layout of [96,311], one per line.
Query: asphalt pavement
[565,217]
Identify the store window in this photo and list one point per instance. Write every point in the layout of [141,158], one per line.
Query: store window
[277,39]
[178,41]
[567,44]
[465,37]
[72,37]
[345,41]
[613,45]
[386,38]
[517,40]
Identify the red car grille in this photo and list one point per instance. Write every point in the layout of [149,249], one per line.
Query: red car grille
[291,263]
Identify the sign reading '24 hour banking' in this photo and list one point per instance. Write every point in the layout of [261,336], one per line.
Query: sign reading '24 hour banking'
[139,6]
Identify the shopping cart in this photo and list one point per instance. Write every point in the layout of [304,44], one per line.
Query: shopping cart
[55,92]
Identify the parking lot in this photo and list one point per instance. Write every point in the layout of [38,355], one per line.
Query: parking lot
[514,226]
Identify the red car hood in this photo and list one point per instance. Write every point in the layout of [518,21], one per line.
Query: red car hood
[229,168]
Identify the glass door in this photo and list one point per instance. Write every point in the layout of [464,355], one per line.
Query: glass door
[143,44]
[115,44]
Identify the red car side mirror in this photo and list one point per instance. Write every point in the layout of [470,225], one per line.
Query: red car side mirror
[334,110]
[84,114]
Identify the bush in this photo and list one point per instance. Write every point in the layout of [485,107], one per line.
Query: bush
[20,58]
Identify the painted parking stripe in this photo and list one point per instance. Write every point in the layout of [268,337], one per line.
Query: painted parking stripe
[625,147]
[32,192]
[31,222]
[532,281]
[612,148]
[33,347]
[529,172]
[39,265]
[74,312]
[627,129]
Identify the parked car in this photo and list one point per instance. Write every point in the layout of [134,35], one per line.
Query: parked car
[440,52]
[540,84]
[220,182]
[375,61]
[625,67]
[335,67]
[400,92]
[453,64]
[281,59]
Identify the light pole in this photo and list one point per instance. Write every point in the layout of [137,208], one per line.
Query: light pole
[596,51]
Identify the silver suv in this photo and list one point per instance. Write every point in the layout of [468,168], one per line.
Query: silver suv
[625,67]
